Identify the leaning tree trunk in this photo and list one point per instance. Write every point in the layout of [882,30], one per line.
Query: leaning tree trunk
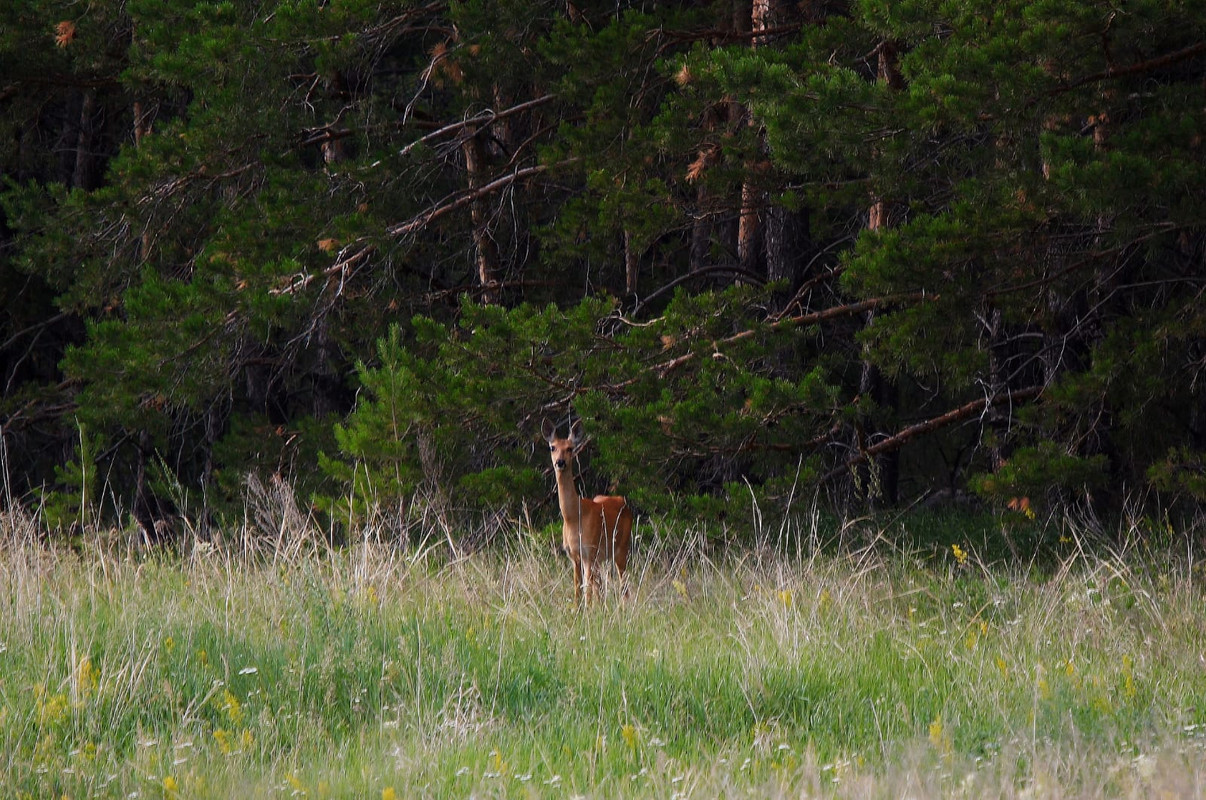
[85,160]
[485,248]
[877,478]
[750,232]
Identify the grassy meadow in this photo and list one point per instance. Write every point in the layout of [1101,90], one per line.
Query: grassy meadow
[852,662]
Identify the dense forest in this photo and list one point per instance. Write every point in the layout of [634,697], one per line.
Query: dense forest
[879,250]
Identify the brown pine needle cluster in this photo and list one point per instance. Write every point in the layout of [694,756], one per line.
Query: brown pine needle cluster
[64,33]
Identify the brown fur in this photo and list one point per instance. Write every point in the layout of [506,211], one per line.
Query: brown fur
[591,530]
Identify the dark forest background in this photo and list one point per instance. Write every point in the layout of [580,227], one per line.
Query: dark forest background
[887,251]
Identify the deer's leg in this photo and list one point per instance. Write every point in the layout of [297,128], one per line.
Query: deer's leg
[576,564]
[589,577]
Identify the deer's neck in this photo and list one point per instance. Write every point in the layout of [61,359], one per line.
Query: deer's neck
[567,496]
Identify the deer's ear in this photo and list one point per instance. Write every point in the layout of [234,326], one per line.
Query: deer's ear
[576,433]
[548,430]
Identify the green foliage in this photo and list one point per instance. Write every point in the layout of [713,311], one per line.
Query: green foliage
[456,409]
[450,411]
[220,275]
[1183,472]
[72,502]
[1029,176]
[1035,471]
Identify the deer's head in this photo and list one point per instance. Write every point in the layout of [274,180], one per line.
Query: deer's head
[562,451]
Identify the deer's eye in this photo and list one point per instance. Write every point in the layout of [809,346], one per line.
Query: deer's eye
[551,448]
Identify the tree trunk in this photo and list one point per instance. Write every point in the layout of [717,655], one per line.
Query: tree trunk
[749,228]
[632,263]
[784,231]
[995,421]
[787,245]
[878,477]
[84,173]
[750,236]
[487,258]
[701,233]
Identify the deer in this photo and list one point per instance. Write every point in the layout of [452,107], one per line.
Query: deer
[591,530]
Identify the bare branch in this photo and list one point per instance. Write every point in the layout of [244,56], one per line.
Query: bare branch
[1150,65]
[905,435]
[806,319]
[484,118]
[464,198]
[357,252]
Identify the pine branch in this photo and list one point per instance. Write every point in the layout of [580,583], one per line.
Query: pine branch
[1150,65]
[358,251]
[484,118]
[734,270]
[805,319]
[467,197]
[905,435]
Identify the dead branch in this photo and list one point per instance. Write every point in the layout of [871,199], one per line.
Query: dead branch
[710,271]
[905,435]
[358,251]
[484,118]
[1150,65]
[465,198]
[805,319]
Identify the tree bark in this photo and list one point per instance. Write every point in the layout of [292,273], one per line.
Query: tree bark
[878,478]
[632,263]
[787,245]
[83,174]
[486,249]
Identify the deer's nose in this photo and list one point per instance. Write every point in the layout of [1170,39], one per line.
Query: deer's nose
[559,463]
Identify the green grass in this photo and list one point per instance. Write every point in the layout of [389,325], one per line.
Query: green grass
[848,671]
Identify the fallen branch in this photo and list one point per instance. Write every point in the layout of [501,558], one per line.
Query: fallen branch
[468,197]
[1150,65]
[904,436]
[484,118]
[805,319]
[359,250]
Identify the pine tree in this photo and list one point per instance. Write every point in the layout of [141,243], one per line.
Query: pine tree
[1041,155]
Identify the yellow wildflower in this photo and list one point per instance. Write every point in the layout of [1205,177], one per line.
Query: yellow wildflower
[232,706]
[939,738]
[87,677]
[1128,677]
[631,737]
[960,554]
[51,708]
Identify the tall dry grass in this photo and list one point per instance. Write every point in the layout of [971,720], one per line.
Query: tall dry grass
[845,661]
